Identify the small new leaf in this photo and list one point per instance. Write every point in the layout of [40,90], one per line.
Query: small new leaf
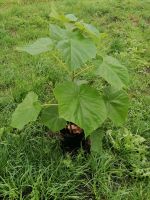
[117,103]
[71,17]
[88,29]
[50,118]
[61,17]
[81,105]
[39,46]
[113,72]
[26,112]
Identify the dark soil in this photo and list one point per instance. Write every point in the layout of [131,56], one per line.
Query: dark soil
[71,142]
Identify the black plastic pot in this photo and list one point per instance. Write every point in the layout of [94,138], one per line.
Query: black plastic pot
[71,143]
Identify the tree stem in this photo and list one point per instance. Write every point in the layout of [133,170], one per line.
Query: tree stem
[73,76]
[61,63]
[49,104]
[83,70]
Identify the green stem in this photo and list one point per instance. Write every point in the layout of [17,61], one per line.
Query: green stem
[60,62]
[49,104]
[83,70]
[73,76]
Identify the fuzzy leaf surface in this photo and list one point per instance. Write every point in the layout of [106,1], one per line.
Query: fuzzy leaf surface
[117,103]
[26,112]
[81,105]
[77,50]
[39,46]
[2,132]
[50,118]
[96,141]
[113,72]
[57,33]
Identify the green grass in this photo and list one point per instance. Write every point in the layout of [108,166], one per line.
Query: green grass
[32,165]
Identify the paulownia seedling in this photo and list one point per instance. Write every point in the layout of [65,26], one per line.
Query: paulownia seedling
[75,100]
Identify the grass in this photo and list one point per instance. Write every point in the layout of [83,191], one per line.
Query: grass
[32,165]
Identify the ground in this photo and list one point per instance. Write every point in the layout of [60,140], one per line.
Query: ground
[32,166]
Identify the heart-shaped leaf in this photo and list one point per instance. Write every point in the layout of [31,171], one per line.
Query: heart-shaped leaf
[39,46]
[113,72]
[80,82]
[50,118]
[96,141]
[77,50]
[2,132]
[57,33]
[26,112]
[81,105]
[117,103]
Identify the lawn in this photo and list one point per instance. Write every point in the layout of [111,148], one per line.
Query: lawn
[32,165]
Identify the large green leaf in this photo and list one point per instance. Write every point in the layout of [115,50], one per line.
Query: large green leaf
[50,118]
[113,72]
[39,46]
[96,141]
[26,112]
[57,33]
[146,99]
[77,50]
[2,132]
[117,104]
[81,105]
